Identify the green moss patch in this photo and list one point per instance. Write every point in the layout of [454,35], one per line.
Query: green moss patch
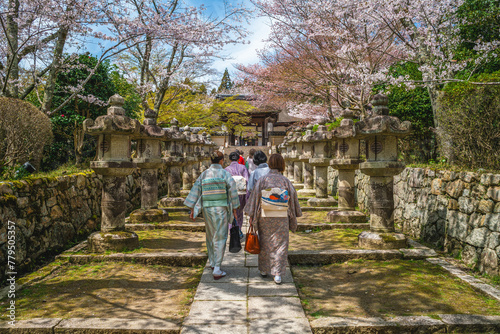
[170,241]
[310,217]
[364,288]
[110,290]
[180,217]
[325,240]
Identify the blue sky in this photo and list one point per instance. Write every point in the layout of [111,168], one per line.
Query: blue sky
[242,53]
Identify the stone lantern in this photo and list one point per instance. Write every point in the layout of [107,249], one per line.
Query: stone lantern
[173,159]
[346,160]
[321,155]
[205,149]
[308,173]
[187,179]
[287,155]
[114,163]
[381,132]
[294,158]
[149,160]
[197,140]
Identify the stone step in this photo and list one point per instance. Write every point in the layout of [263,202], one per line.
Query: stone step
[160,258]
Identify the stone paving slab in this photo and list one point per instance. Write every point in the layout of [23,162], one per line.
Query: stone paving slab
[274,308]
[254,276]
[36,325]
[215,329]
[280,326]
[271,289]
[467,323]
[478,284]
[221,291]
[413,324]
[234,275]
[216,312]
[116,325]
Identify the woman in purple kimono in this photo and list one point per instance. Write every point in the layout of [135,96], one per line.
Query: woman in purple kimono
[238,171]
[273,208]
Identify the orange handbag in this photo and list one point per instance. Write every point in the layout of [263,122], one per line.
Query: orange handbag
[252,245]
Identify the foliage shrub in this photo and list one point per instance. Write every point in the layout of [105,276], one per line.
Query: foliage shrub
[24,132]
[470,116]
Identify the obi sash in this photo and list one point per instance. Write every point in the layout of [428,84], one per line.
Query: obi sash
[241,184]
[274,202]
[214,192]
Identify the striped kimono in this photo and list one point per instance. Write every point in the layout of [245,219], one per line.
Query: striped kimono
[214,193]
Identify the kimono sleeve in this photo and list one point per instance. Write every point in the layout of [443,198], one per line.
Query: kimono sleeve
[294,209]
[253,207]
[232,191]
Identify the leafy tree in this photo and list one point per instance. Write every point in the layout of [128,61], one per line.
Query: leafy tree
[70,142]
[225,84]
[190,105]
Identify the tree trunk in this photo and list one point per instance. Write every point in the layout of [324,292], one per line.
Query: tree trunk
[12,74]
[444,140]
[48,95]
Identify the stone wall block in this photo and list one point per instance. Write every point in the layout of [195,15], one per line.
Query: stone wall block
[455,188]
[450,175]
[478,237]
[471,256]
[485,206]
[492,221]
[416,177]
[486,179]
[436,186]
[469,177]
[453,204]
[493,240]
[489,262]
[496,209]
[467,205]
[494,193]
[457,225]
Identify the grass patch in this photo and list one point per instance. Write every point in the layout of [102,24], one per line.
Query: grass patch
[152,241]
[366,288]
[325,240]
[118,290]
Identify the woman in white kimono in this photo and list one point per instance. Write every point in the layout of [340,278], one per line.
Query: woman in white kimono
[215,193]
[273,208]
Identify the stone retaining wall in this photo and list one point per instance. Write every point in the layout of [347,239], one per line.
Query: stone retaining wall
[455,211]
[51,212]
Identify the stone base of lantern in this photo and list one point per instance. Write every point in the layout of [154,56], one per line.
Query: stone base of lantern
[307,192]
[346,217]
[316,202]
[185,193]
[141,216]
[298,186]
[167,202]
[100,242]
[382,240]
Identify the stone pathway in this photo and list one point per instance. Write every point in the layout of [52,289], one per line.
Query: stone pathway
[243,302]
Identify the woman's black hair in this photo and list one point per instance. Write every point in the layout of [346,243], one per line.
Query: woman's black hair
[259,158]
[234,156]
[216,157]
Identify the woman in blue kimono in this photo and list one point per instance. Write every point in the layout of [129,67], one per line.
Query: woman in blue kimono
[214,193]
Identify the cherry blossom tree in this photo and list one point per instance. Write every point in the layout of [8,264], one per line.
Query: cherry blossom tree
[164,37]
[177,42]
[346,47]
